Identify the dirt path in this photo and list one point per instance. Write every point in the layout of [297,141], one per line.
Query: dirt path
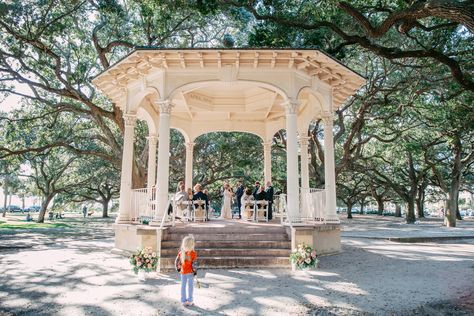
[369,277]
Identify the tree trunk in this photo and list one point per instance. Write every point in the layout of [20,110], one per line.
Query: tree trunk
[420,204]
[458,214]
[44,207]
[410,216]
[105,208]
[453,194]
[398,210]
[5,197]
[349,210]
[379,206]
[23,203]
[362,205]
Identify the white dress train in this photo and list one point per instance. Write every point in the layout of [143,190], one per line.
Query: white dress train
[226,210]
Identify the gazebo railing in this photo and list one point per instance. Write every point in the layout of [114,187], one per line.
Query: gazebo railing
[144,208]
[312,204]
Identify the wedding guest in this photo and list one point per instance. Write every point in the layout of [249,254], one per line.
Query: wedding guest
[199,195]
[186,264]
[269,197]
[180,197]
[178,187]
[246,197]
[239,193]
[260,195]
[206,192]
[256,188]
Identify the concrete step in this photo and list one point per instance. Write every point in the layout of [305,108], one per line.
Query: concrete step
[229,252]
[229,236]
[232,262]
[231,244]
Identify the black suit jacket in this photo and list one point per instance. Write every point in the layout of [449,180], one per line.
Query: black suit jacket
[269,194]
[255,190]
[239,192]
[201,196]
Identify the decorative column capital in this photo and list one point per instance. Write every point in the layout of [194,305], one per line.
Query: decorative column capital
[152,139]
[164,106]
[304,140]
[190,145]
[130,120]
[327,118]
[267,145]
[291,106]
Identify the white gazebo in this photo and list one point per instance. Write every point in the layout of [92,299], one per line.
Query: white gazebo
[197,91]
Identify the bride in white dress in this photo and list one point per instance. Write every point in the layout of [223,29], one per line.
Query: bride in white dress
[226,211]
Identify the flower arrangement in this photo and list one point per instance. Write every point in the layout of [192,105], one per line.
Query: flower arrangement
[304,257]
[144,259]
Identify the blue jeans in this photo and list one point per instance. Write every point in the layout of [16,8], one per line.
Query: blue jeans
[187,278]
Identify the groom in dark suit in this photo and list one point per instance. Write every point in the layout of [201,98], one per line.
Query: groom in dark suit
[269,197]
[238,194]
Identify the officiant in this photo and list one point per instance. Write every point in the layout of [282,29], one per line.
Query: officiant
[269,197]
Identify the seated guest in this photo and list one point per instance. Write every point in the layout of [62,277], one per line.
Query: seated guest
[261,195]
[255,190]
[180,197]
[246,197]
[199,195]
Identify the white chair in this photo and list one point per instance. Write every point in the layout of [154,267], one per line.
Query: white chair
[261,208]
[199,210]
[249,211]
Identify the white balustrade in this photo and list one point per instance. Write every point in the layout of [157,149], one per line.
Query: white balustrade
[312,204]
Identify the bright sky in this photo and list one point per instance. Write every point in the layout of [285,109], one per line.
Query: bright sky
[13,101]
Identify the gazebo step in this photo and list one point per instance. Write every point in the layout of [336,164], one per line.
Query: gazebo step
[214,229]
[232,244]
[232,252]
[233,262]
[230,236]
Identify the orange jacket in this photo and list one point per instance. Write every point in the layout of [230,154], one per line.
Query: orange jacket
[190,262]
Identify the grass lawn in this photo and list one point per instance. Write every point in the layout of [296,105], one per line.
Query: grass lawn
[31,225]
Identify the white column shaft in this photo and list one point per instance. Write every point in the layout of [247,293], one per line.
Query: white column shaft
[162,181]
[293,195]
[151,172]
[127,169]
[304,162]
[267,165]
[329,170]
[188,179]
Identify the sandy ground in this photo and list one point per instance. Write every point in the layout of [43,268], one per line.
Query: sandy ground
[79,276]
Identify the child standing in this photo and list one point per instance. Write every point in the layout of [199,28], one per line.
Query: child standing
[186,264]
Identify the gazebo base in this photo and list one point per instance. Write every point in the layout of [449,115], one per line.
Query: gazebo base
[241,244]
[325,238]
[129,237]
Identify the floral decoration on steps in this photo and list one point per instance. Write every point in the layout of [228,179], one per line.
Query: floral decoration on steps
[144,259]
[304,257]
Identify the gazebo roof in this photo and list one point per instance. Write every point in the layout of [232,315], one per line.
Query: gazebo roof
[311,62]
[228,89]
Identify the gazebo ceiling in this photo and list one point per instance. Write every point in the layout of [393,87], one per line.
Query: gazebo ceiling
[229,97]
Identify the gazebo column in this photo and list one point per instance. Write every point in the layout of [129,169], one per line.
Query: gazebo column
[163,157]
[151,172]
[292,179]
[329,170]
[188,178]
[267,164]
[304,162]
[127,169]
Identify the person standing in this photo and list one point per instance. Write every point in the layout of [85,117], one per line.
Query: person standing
[256,189]
[269,197]
[239,193]
[226,210]
[186,264]
[84,211]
